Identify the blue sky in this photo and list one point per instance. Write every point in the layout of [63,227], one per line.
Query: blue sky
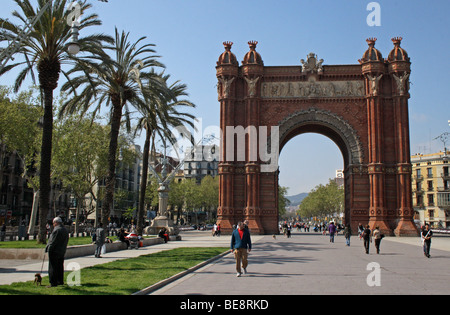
[188,34]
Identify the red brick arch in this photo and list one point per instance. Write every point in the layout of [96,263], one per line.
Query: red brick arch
[363,108]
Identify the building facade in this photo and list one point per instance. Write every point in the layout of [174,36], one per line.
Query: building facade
[16,197]
[431,188]
[201,161]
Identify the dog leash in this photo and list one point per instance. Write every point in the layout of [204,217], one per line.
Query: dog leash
[43,259]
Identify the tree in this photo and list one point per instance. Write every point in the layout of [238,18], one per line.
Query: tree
[118,81]
[209,193]
[283,202]
[44,49]
[78,157]
[20,133]
[176,197]
[160,115]
[323,201]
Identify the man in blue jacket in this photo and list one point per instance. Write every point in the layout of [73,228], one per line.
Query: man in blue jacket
[241,245]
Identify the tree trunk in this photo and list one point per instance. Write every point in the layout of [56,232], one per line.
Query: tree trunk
[34,211]
[145,158]
[77,214]
[45,168]
[111,177]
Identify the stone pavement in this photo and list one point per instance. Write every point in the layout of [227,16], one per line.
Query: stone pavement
[306,263]
[309,264]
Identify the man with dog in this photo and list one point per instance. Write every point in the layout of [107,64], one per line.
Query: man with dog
[56,249]
[241,245]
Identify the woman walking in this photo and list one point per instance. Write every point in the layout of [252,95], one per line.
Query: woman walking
[377,236]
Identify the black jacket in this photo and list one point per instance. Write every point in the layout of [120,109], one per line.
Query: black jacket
[57,243]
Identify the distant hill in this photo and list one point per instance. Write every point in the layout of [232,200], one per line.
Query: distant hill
[296,199]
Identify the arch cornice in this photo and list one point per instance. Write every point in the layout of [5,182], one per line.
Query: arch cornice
[313,116]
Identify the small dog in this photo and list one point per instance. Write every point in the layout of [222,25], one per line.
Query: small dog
[274,237]
[38,279]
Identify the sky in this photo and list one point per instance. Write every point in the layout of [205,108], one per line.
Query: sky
[188,35]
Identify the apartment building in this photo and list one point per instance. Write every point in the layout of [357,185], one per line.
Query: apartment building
[16,197]
[201,161]
[431,188]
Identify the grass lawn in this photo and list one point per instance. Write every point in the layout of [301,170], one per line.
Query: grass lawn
[122,277]
[33,243]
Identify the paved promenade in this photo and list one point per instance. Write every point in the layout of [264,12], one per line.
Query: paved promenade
[309,264]
[306,263]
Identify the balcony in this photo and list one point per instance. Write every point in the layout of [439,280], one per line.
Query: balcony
[443,199]
[419,205]
[445,176]
[418,177]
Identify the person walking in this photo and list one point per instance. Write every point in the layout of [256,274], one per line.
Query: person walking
[347,234]
[56,249]
[360,230]
[332,230]
[377,237]
[100,240]
[241,245]
[218,229]
[367,236]
[426,240]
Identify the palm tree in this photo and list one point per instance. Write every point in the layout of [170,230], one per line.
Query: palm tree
[44,49]
[116,81]
[161,114]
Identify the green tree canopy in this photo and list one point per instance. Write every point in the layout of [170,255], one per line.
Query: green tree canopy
[322,201]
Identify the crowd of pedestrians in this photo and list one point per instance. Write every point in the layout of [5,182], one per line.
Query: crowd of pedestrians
[365,234]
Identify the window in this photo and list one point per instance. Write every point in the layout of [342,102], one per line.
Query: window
[430,199]
[419,200]
[430,185]
[418,186]
[430,172]
[431,214]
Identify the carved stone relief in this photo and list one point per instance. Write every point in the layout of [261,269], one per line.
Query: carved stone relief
[226,84]
[313,89]
[251,86]
[402,83]
[374,83]
[312,64]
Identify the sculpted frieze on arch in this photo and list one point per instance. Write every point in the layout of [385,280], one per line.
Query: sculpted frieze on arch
[313,89]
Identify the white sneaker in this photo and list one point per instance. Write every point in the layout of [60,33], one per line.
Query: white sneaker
[238,274]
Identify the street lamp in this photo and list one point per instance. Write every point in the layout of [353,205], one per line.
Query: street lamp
[73,46]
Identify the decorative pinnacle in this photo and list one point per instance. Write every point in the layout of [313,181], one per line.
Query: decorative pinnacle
[371,41]
[228,45]
[397,41]
[252,44]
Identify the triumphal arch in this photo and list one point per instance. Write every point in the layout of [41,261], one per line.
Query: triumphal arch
[362,107]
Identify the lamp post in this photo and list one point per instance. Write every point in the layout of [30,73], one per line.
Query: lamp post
[444,138]
[73,47]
